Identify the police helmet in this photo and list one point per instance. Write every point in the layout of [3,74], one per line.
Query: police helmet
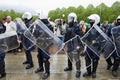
[27,15]
[72,17]
[94,17]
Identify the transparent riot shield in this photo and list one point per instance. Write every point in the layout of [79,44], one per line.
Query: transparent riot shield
[98,42]
[73,47]
[8,41]
[116,38]
[21,28]
[44,38]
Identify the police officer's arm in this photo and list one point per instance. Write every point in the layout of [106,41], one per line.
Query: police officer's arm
[77,29]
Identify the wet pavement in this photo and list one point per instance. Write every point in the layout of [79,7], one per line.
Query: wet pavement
[16,70]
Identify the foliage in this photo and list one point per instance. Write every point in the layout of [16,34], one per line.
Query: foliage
[12,13]
[105,12]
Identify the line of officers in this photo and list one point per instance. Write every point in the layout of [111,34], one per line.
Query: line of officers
[65,32]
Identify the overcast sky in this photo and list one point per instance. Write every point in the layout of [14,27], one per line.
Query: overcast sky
[47,5]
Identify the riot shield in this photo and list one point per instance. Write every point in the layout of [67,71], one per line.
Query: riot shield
[8,41]
[98,42]
[73,47]
[21,28]
[116,38]
[44,38]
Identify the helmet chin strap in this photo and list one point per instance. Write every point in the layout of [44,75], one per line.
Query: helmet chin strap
[118,21]
[92,23]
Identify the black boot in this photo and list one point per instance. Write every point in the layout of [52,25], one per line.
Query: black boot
[88,65]
[78,74]
[29,58]
[2,75]
[95,64]
[78,65]
[69,68]
[47,70]
[114,73]
[2,67]
[40,69]
[109,62]
[115,66]
[93,74]
[29,66]
[40,62]
[46,75]
[25,62]
[108,67]
[88,73]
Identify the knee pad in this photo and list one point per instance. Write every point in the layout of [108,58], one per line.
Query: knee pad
[45,59]
[95,60]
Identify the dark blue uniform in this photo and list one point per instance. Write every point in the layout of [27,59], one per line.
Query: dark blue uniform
[42,54]
[114,55]
[27,44]
[2,63]
[2,54]
[91,58]
[107,30]
[89,52]
[43,58]
[72,30]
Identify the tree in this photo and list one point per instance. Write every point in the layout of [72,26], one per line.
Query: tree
[11,13]
[103,12]
[80,12]
[115,9]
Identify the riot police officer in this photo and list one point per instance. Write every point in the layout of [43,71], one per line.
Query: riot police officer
[104,27]
[43,58]
[91,57]
[116,57]
[72,30]
[28,21]
[2,54]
